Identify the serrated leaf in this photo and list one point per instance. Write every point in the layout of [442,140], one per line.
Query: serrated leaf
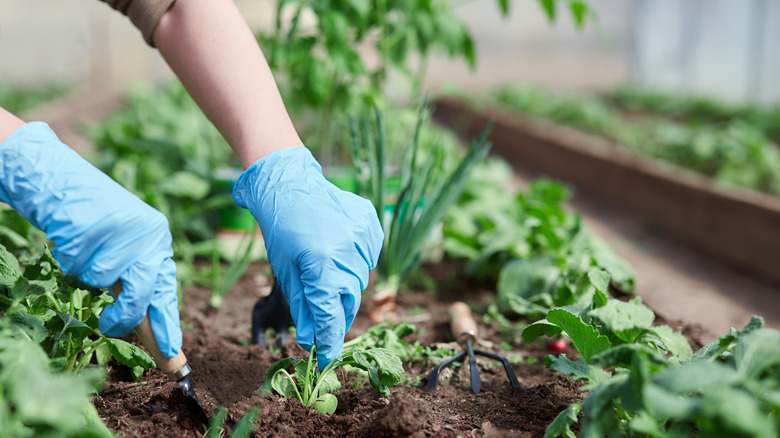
[561,425]
[579,370]
[326,404]
[585,338]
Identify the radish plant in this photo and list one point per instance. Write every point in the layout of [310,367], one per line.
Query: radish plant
[644,380]
[315,388]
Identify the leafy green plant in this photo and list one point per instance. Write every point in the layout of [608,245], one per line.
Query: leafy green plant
[644,380]
[320,65]
[18,99]
[537,250]
[427,191]
[315,388]
[36,399]
[389,336]
[54,309]
[728,144]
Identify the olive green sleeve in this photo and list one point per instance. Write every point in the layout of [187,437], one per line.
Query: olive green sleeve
[145,14]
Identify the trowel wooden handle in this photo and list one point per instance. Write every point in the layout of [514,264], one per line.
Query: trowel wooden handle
[462,322]
[175,367]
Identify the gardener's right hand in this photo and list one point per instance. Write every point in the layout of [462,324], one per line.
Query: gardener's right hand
[102,232]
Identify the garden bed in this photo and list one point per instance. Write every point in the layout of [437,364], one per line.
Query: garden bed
[228,372]
[737,225]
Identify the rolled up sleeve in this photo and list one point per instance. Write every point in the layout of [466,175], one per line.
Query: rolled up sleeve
[145,14]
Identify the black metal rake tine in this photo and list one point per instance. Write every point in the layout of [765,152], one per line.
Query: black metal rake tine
[510,372]
[476,385]
[433,376]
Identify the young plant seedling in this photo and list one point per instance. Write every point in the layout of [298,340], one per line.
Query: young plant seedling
[315,388]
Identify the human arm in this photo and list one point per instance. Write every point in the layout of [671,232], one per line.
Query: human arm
[321,241]
[101,231]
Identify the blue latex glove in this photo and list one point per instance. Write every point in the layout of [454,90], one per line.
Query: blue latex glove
[321,243]
[102,232]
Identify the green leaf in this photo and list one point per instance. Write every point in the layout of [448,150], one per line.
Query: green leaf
[540,328]
[269,375]
[599,279]
[326,403]
[527,279]
[282,383]
[674,341]
[383,366]
[186,185]
[579,370]
[503,6]
[217,423]
[10,271]
[695,377]
[548,6]
[328,383]
[757,352]
[128,354]
[585,338]
[579,10]
[622,356]
[626,320]
[245,426]
[561,425]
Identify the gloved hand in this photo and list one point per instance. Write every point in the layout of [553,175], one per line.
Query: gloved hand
[321,243]
[102,232]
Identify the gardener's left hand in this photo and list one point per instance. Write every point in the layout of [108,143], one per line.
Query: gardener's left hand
[321,242]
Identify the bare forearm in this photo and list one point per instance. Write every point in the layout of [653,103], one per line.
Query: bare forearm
[211,49]
[8,124]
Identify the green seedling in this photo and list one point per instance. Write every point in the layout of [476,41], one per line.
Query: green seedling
[315,388]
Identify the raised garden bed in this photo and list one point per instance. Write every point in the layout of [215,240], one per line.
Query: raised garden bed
[739,226]
[228,372]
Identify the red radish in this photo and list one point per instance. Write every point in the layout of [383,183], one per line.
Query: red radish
[556,345]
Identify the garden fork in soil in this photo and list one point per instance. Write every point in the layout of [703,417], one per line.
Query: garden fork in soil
[463,325]
[176,368]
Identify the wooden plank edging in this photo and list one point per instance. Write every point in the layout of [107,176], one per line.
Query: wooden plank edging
[738,225]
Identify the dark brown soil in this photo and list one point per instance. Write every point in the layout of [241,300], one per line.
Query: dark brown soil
[227,371]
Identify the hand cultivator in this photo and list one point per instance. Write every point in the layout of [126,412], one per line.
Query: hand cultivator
[463,325]
[271,311]
[176,368]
